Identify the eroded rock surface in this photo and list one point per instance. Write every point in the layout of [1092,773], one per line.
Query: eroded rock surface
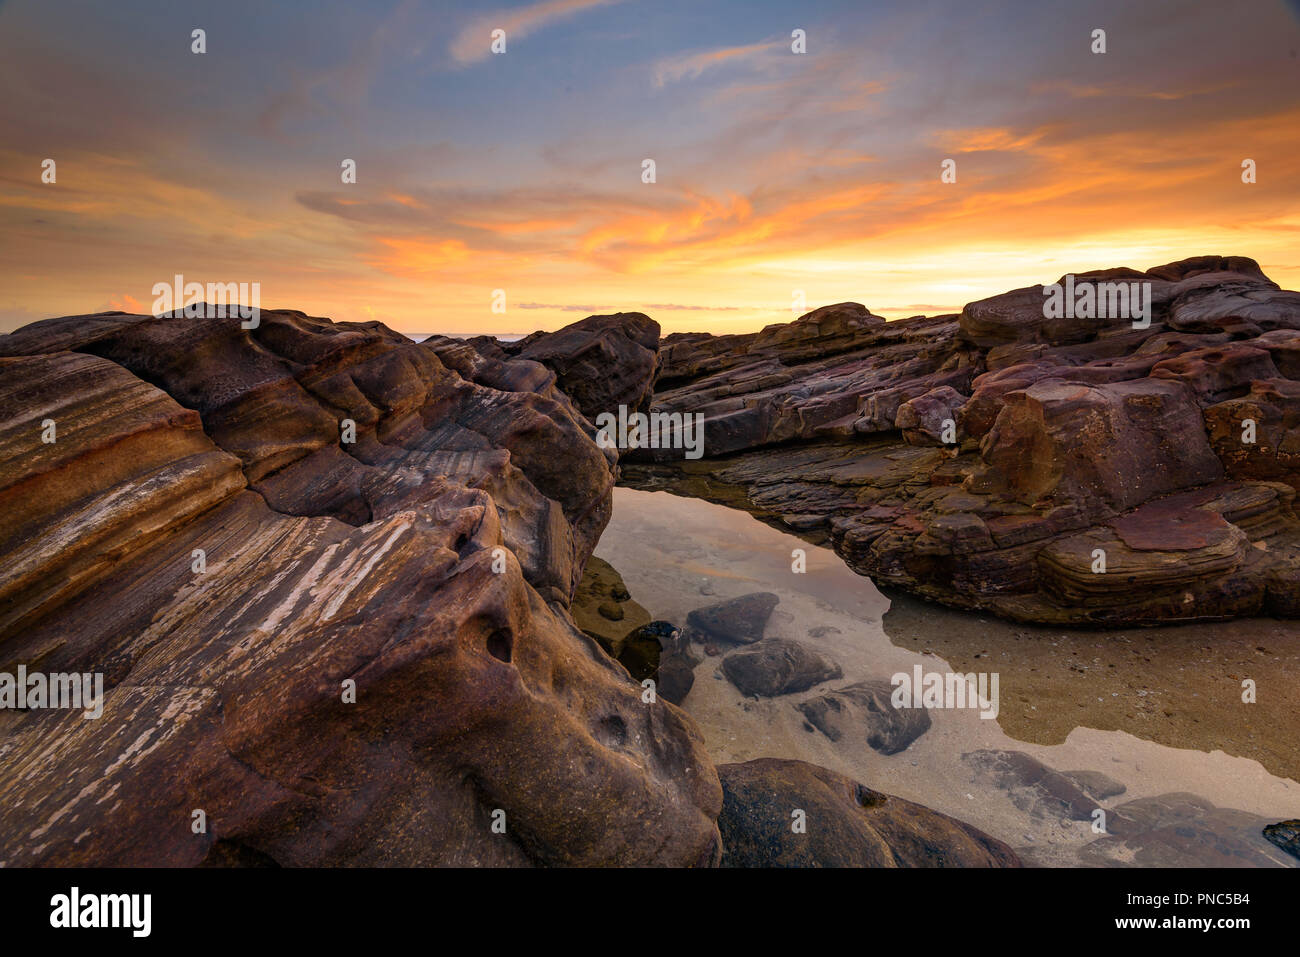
[239,529]
[1057,470]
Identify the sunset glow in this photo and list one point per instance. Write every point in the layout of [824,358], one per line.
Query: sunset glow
[776,172]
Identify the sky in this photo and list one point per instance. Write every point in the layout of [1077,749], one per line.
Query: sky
[783,180]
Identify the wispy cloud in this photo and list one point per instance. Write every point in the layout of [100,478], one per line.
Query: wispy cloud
[639,307]
[691,65]
[562,307]
[473,43]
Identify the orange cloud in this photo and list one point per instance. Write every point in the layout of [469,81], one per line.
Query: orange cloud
[417,257]
[124,303]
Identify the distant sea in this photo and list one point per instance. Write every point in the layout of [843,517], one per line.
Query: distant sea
[504,337]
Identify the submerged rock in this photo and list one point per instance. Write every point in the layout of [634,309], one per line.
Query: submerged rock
[642,653]
[865,708]
[603,608]
[777,666]
[660,651]
[778,813]
[675,678]
[1042,791]
[737,620]
[1182,830]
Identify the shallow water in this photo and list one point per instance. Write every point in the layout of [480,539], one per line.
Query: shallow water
[1181,806]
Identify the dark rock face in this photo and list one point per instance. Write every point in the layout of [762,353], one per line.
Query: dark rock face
[845,824]
[1044,469]
[675,679]
[202,532]
[865,708]
[777,666]
[737,620]
[601,362]
[1285,835]
[669,648]
[641,653]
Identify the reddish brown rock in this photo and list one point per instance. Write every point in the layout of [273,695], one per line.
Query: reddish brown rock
[1073,435]
[601,362]
[341,652]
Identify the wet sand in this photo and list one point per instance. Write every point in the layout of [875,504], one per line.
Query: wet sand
[1197,783]
[1179,686]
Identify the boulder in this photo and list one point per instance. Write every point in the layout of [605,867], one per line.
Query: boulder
[601,362]
[1285,835]
[737,620]
[779,813]
[865,710]
[777,666]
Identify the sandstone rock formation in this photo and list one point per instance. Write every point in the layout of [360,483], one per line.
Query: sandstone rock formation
[327,574]
[278,546]
[846,824]
[1047,469]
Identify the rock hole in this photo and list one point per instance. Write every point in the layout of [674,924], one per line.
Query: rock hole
[499,645]
[613,730]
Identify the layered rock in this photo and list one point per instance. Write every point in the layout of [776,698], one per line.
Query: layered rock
[1132,468]
[325,573]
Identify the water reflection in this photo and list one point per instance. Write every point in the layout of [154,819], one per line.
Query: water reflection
[1142,726]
